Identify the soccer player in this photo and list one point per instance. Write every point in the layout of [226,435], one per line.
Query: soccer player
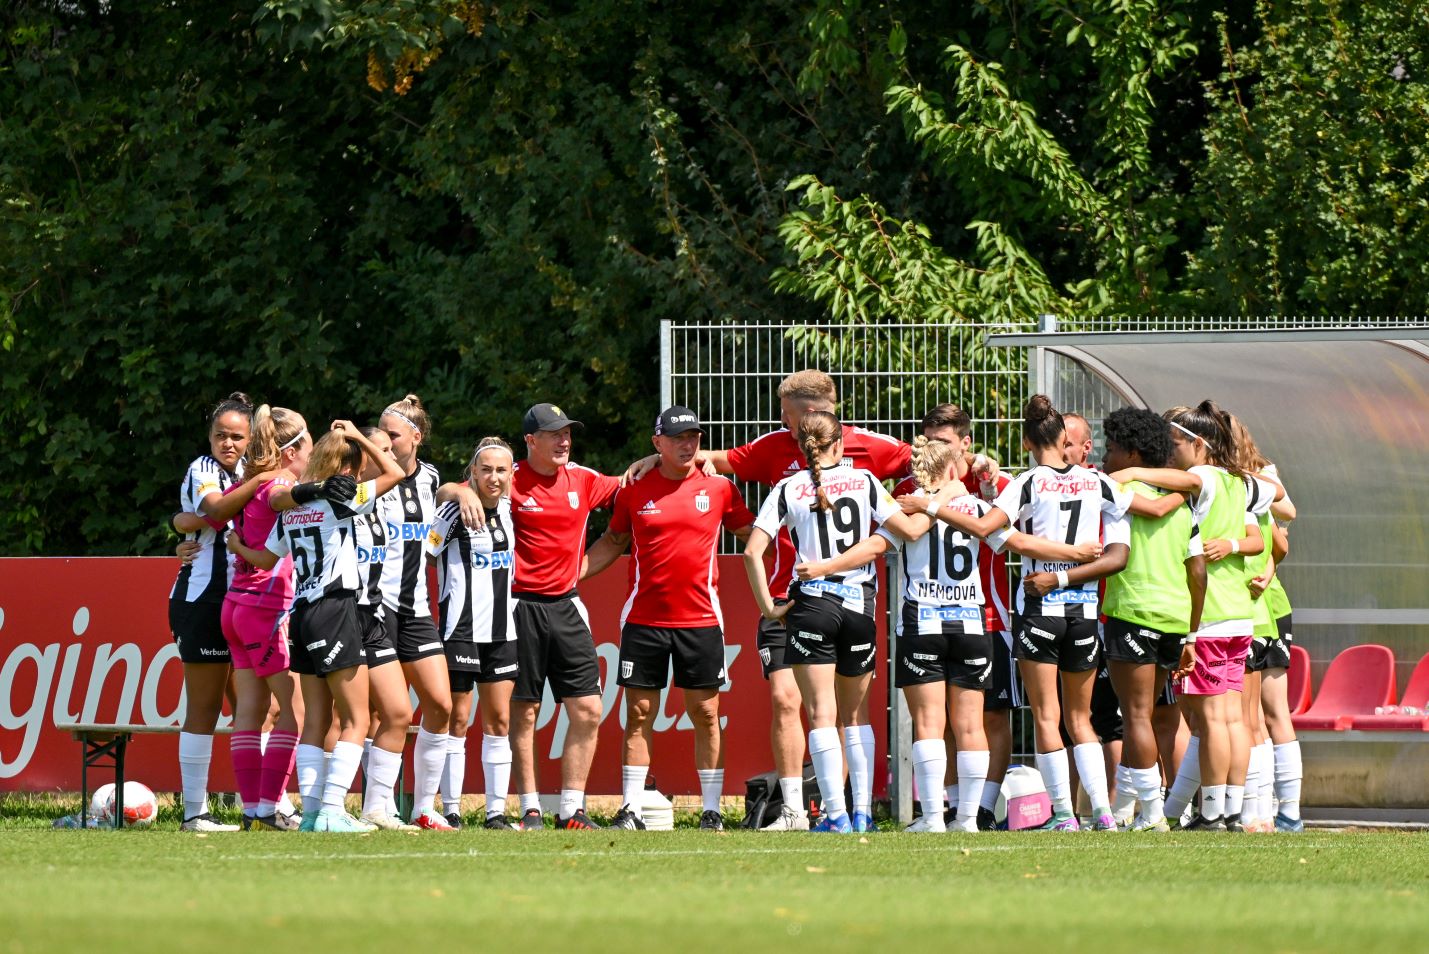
[1227,503]
[477,610]
[408,511]
[316,527]
[945,653]
[255,623]
[196,600]
[767,460]
[1150,607]
[1057,602]
[673,515]
[828,508]
[552,499]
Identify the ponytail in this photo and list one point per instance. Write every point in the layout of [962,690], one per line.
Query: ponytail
[274,429]
[1042,424]
[1215,428]
[818,431]
[411,412]
[930,461]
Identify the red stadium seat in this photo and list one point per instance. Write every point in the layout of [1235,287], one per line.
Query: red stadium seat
[1416,694]
[1358,680]
[1298,680]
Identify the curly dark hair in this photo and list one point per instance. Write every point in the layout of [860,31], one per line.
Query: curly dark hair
[1140,430]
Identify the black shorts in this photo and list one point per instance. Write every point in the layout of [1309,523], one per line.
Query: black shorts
[1167,696]
[197,628]
[497,663]
[554,644]
[1136,644]
[648,652]
[772,640]
[326,636]
[1276,653]
[1004,687]
[415,637]
[1106,708]
[1068,644]
[952,656]
[823,631]
[377,643]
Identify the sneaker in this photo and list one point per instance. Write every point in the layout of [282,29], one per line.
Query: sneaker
[863,822]
[1284,823]
[384,822]
[453,819]
[711,820]
[624,819]
[1141,824]
[338,821]
[1202,823]
[499,822]
[837,824]
[1104,822]
[247,822]
[273,822]
[309,822]
[1233,823]
[531,820]
[580,821]
[431,821]
[205,822]
[929,823]
[986,820]
[790,819]
[1061,822]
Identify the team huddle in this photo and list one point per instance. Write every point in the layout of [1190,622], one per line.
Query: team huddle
[1148,630]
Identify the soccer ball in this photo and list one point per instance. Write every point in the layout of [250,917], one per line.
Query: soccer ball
[140,805]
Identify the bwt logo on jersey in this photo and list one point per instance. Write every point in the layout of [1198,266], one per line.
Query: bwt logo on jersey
[407,531]
[376,554]
[501,560]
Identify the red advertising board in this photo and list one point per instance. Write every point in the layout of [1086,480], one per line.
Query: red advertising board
[87,640]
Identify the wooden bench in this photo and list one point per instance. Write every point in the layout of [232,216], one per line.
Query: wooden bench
[99,741]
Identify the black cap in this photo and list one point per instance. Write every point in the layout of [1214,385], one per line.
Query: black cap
[677,420]
[546,417]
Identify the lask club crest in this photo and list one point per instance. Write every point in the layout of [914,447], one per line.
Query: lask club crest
[574,499]
[702,502]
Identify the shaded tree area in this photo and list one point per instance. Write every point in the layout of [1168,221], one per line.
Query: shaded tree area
[330,204]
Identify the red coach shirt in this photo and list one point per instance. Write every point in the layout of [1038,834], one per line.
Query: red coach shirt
[769,459]
[674,527]
[996,587]
[550,515]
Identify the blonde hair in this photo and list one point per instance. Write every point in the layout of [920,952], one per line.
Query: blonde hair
[485,444]
[273,429]
[809,385]
[331,453]
[411,411]
[818,431]
[1248,456]
[931,460]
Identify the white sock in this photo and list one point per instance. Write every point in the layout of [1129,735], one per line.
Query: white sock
[1267,780]
[972,772]
[366,751]
[311,769]
[453,774]
[1288,773]
[284,806]
[1147,783]
[1091,767]
[950,792]
[1057,777]
[1213,801]
[340,772]
[572,801]
[930,765]
[1235,799]
[827,755]
[1250,803]
[792,789]
[530,801]
[1124,798]
[382,769]
[632,787]
[990,791]
[496,770]
[1188,779]
[858,748]
[195,754]
[711,788]
[429,757]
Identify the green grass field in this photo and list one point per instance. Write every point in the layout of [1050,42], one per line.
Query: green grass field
[160,890]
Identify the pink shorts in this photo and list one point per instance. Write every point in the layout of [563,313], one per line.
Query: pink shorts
[1220,666]
[257,638]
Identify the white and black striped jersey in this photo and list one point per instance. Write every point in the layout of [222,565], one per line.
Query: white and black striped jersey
[942,582]
[476,570]
[407,510]
[858,499]
[370,533]
[206,578]
[320,537]
[1066,506]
